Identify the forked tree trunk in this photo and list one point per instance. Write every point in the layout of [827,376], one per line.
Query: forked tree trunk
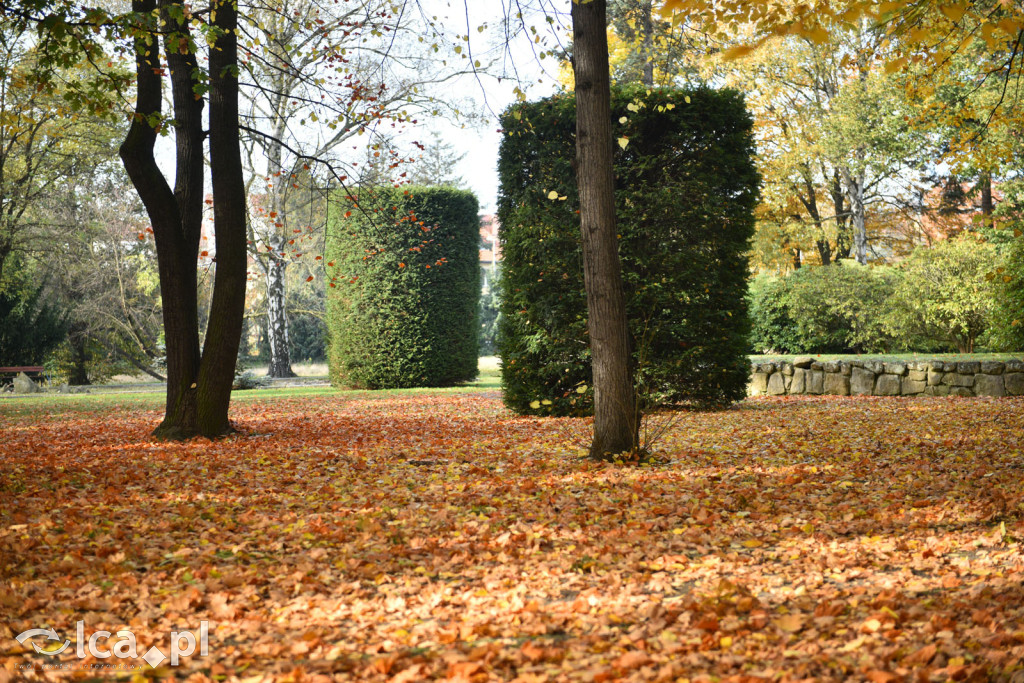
[855,192]
[616,419]
[198,383]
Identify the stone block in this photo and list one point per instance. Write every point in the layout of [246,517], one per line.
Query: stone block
[831,366]
[940,390]
[786,369]
[898,369]
[862,382]
[937,366]
[953,379]
[989,385]
[992,367]
[918,375]
[1014,366]
[803,362]
[935,377]
[799,383]
[816,382]
[836,384]
[24,385]
[968,367]
[887,385]
[776,384]
[960,391]
[875,366]
[1013,383]
[817,366]
[909,387]
[758,384]
[845,368]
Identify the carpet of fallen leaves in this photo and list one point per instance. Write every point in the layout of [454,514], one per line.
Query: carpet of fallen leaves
[438,537]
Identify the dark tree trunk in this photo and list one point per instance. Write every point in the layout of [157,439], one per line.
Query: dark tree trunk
[616,418]
[810,202]
[987,205]
[227,307]
[844,242]
[196,392]
[647,27]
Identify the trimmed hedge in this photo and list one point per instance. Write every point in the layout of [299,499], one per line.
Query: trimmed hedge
[686,188]
[405,283]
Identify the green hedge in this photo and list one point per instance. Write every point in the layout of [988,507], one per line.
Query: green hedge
[404,288]
[686,187]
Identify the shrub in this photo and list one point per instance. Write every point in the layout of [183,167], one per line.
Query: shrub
[943,295]
[686,187]
[404,289]
[1007,331]
[823,309]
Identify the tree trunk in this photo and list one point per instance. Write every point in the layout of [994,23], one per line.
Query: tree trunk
[987,205]
[198,384]
[616,418]
[843,241]
[176,215]
[647,27]
[227,306]
[855,192]
[277,319]
[810,201]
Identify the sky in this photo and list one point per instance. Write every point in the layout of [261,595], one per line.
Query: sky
[537,78]
[489,93]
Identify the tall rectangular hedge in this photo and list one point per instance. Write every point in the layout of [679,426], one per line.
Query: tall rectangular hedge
[686,188]
[404,288]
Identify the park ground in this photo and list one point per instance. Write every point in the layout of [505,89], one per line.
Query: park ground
[432,535]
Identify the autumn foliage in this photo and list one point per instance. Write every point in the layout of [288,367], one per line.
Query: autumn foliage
[434,536]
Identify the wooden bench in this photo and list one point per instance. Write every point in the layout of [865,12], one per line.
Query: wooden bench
[7,374]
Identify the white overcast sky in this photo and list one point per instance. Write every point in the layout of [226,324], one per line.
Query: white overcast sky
[535,77]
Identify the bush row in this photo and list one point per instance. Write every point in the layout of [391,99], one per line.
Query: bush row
[957,295]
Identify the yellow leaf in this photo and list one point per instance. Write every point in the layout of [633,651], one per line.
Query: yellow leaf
[817,35]
[737,52]
[672,106]
[807,528]
[623,119]
[552,195]
[895,65]
[752,543]
[725,642]
[790,623]
[535,404]
[953,12]
[671,6]
[623,142]
[582,389]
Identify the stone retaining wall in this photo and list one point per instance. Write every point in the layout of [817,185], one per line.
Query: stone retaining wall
[877,378]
